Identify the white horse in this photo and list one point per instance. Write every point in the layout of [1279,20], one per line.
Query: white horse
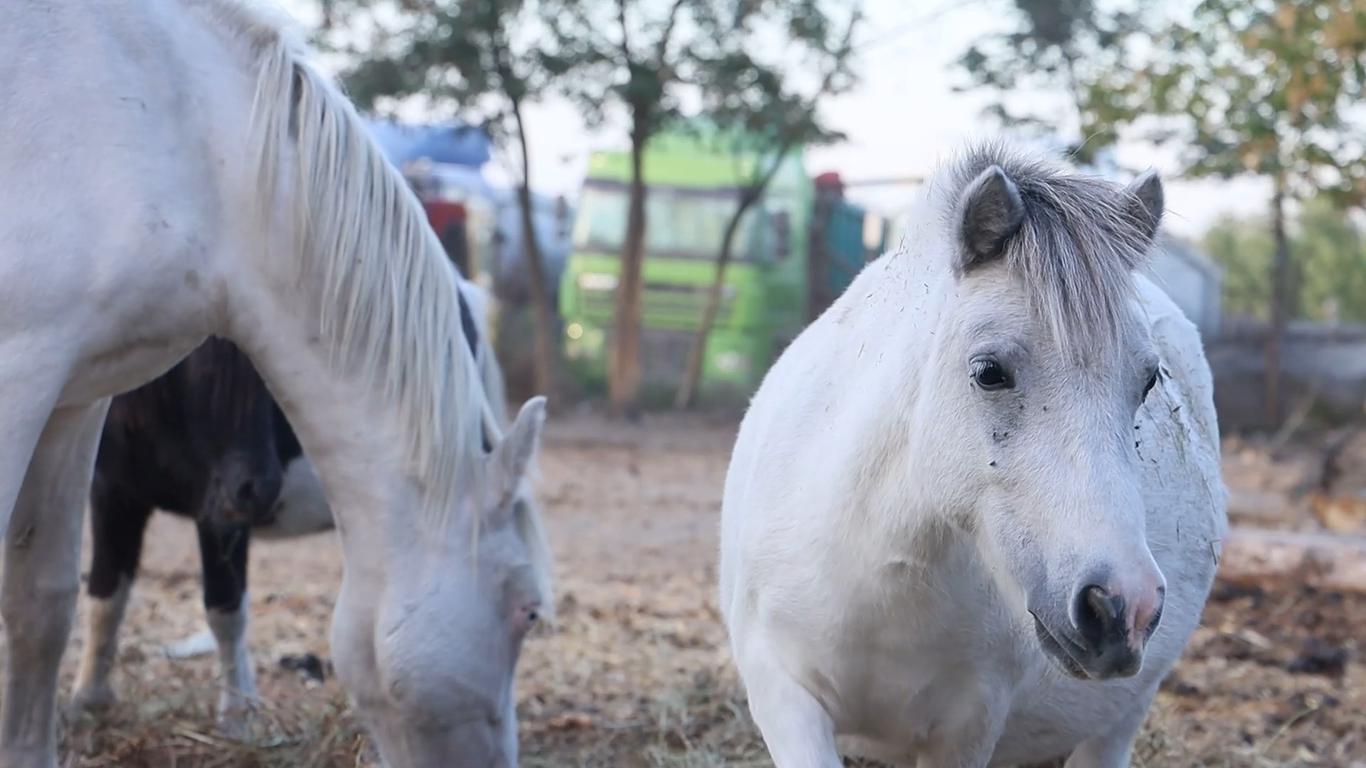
[963,499]
[300,509]
[171,169]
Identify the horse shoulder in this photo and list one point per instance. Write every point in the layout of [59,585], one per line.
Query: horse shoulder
[1178,438]
[787,532]
[1185,412]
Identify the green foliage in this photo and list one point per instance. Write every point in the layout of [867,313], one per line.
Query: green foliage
[1065,47]
[483,58]
[1243,249]
[1329,279]
[651,55]
[1267,87]
[1331,252]
[761,111]
[476,58]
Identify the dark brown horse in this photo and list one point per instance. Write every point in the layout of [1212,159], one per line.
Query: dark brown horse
[207,441]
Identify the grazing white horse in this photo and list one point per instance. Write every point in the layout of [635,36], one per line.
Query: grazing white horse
[300,509]
[972,513]
[171,169]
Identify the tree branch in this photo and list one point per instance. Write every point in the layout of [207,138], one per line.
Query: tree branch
[625,32]
[839,54]
[662,54]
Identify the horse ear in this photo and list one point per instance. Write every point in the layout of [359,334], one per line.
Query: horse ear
[512,457]
[992,213]
[1145,202]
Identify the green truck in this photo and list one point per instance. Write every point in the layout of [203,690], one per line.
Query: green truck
[776,281]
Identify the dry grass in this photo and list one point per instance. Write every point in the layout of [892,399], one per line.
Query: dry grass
[636,672]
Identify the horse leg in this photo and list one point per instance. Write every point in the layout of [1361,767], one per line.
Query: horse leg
[26,403]
[41,580]
[796,728]
[223,552]
[1112,749]
[117,524]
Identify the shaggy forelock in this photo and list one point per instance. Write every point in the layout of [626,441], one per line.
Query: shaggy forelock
[1075,252]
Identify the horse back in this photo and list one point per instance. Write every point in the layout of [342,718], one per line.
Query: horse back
[120,126]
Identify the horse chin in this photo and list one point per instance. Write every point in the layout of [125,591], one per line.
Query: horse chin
[1053,647]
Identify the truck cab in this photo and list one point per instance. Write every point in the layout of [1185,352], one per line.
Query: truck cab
[692,193]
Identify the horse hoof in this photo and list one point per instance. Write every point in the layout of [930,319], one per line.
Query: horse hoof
[235,718]
[234,725]
[92,699]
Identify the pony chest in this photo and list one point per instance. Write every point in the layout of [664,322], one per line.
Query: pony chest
[923,669]
[919,700]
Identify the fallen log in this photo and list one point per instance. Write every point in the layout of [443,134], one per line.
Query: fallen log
[1258,556]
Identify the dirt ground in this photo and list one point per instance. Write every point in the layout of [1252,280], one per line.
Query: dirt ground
[635,672]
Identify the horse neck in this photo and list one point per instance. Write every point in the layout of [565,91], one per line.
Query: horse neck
[884,330]
[349,308]
[355,432]
[353,436]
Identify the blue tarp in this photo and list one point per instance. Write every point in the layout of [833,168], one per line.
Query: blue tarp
[452,143]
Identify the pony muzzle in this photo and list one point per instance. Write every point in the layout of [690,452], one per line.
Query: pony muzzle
[1109,631]
[241,498]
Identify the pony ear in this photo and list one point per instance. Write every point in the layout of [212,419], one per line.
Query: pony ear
[512,456]
[992,213]
[1144,201]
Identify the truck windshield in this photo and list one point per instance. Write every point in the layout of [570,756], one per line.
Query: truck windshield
[680,223]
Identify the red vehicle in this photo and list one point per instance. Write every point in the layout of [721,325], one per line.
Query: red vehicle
[450,216]
[450,221]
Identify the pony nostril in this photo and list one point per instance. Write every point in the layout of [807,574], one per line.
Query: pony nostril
[1099,614]
[1156,619]
[1153,622]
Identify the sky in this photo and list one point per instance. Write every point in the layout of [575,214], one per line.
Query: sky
[901,119]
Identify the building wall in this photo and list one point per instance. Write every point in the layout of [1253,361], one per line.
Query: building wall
[1322,368]
[1192,281]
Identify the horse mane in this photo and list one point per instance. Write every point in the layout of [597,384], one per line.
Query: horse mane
[1076,250]
[387,293]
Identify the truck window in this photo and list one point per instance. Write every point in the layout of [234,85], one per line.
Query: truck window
[681,223]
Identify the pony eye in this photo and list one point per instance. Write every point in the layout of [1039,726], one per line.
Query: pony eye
[1152,382]
[990,375]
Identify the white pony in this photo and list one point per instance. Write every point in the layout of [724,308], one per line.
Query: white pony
[171,169]
[972,513]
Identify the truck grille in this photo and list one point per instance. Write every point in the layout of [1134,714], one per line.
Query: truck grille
[665,305]
[663,355]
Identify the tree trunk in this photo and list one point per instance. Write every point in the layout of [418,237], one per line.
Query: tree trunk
[546,357]
[1262,557]
[692,374]
[1280,288]
[818,257]
[624,371]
